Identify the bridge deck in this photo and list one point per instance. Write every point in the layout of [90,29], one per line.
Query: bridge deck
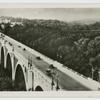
[65,81]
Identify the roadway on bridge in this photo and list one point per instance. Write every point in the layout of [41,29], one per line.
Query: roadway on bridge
[65,81]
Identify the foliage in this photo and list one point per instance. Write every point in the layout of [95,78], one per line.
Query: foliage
[71,44]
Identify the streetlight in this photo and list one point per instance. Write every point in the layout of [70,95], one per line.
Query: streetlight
[99,78]
[92,72]
[30,65]
[57,87]
[99,75]
[30,62]
[32,81]
[54,75]
[13,48]
[92,69]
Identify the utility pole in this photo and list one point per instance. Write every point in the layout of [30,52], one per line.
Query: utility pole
[32,68]
[99,79]
[54,76]
[30,62]
[32,81]
[91,60]
[92,71]
[57,80]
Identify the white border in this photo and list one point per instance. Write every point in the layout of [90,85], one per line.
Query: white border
[50,1]
[49,5]
[50,94]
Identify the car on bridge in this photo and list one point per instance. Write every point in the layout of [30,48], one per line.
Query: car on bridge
[19,46]
[38,58]
[10,44]
[2,36]
[24,49]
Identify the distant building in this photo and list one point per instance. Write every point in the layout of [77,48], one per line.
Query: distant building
[16,23]
[4,20]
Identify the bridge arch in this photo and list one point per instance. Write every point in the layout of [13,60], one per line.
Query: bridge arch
[20,84]
[9,66]
[38,88]
[2,57]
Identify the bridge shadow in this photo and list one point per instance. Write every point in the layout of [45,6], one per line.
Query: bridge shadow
[2,69]
[2,59]
[19,80]
[38,88]
[5,81]
[9,66]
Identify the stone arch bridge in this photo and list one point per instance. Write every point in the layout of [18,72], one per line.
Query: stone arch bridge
[31,70]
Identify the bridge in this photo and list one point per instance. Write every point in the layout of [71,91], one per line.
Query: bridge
[33,71]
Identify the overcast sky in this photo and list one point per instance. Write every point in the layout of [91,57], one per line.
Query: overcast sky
[64,14]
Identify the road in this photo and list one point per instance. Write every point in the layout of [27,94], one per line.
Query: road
[65,81]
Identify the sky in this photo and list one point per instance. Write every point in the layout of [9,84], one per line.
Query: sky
[63,14]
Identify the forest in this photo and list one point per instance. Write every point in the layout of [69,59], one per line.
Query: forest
[75,45]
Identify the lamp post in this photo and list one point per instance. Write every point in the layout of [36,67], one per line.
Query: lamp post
[30,66]
[13,48]
[33,68]
[92,69]
[54,76]
[99,79]
[29,62]
[32,89]
[57,76]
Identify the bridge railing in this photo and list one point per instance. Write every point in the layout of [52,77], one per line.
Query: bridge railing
[88,82]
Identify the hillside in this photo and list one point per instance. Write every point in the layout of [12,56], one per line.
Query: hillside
[74,45]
